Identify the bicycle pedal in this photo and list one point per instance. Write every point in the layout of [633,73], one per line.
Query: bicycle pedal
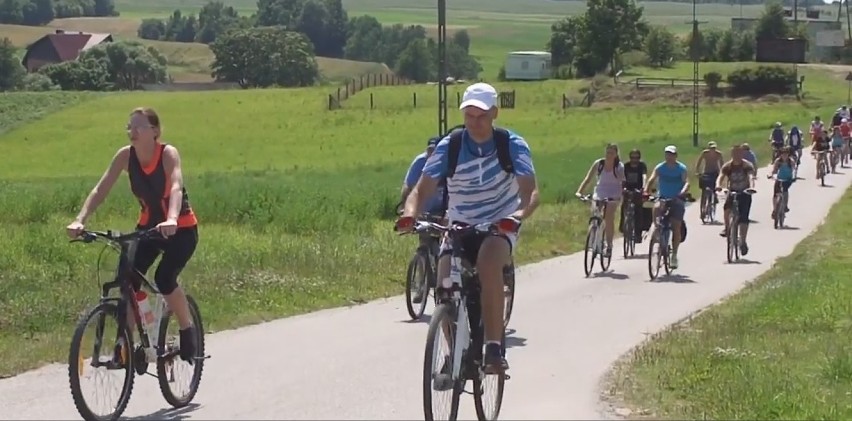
[206,357]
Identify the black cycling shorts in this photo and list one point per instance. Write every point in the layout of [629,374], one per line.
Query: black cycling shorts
[471,243]
[744,201]
[176,251]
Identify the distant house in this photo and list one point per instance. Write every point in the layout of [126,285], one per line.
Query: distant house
[60,47]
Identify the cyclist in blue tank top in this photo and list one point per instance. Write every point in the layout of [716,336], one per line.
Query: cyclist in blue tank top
[672,183]
[783,169]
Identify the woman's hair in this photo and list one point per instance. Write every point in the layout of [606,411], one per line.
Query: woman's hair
[613,146]
[152,117]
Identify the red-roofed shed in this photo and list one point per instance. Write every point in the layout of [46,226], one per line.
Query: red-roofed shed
[60,47]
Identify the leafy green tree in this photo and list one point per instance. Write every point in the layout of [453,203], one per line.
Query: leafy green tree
[660,46]
[11,70]
[151,29]
[462,39]
[416,62]
[772,23]
[263,57]
[726,48]
[565,39]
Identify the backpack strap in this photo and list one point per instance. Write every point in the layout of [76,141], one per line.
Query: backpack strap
[453,151]
[502,138]
[601,163]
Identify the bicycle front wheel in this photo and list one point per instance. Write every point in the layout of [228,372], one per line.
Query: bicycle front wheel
[653,257]
[441,393]
[628,234]
[417,283]
[733,249]
[591,249]
[488,393]
[111,360]
[167,367]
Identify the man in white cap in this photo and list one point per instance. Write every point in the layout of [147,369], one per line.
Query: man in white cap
[672,180]
[490,178]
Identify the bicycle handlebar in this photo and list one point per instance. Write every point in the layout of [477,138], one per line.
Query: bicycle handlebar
[505,225]
[588,198]
[114,236]
[734,192]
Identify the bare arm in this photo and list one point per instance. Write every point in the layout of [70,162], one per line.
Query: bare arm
[102,189]
[171,163]
[722,176]
[425,187]
[587,178]
[651,180]
[528,191]
[701,159]
[403,193]
[685,178]
[751,179]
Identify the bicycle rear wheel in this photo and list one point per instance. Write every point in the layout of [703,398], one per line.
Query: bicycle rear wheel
[508,293]
[705,206]
[591,249]
[120,360]
[166,366]
[442,324]
[418,268]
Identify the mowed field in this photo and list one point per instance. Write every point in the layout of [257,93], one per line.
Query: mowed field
[496,27]
[296,202]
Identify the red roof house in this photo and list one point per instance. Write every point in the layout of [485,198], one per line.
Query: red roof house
[60,47]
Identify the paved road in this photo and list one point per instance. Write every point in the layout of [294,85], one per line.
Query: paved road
[365,362]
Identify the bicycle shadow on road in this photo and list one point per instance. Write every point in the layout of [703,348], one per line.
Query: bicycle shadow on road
[744,261]
[425,318]
[790,228]
[609,274]
[513,341]
[169,413]
[674,278]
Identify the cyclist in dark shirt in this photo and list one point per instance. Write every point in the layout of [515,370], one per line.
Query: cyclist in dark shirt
[635,172]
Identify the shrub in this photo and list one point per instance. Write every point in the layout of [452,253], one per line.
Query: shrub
[762,80]
[712,79]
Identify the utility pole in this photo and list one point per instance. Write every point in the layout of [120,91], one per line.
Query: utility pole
[696,58]
[442,67]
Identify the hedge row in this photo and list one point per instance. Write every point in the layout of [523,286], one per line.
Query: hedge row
[762,80]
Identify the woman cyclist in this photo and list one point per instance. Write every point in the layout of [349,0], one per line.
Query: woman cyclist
[836,145]
[156,179]
[635,173]
[783,169]
[610,173]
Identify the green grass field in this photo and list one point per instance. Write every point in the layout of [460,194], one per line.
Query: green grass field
[295,202]
[781,349]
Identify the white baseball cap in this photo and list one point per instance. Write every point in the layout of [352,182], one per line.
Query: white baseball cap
[671,149]
[479,95]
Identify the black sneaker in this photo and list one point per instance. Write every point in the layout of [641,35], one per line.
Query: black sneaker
[494,362]
[744,248]
[187,344]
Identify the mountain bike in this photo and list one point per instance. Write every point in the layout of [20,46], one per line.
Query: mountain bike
[822,168]
[458,318]
[779,203]
[629,222]
[124,355]
[733,231]
[595,235]
[659,249]
[708,202]
[422,270]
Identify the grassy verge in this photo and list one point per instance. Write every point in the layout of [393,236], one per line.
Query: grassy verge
[22,107]
[296,211]
[781,349]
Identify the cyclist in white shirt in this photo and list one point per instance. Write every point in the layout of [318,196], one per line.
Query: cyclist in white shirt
[817,127]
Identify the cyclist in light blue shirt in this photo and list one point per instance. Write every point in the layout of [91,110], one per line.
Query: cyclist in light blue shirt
[672,183]
[435,204]
[784,170]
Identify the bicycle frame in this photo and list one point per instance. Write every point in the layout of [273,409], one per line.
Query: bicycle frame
[126,245]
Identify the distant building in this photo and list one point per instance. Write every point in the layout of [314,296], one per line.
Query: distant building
[528,65]
[60,47]
[815,53]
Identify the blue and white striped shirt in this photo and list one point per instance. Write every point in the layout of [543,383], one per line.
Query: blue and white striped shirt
[480,191]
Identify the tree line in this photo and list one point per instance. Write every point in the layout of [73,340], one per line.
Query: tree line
[313,28]
[41,12]
[595,42]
